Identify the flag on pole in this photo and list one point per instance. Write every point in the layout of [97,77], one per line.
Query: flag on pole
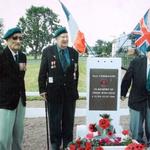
[141,33]
[77,37]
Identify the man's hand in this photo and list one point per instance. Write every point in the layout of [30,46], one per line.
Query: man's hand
[123,98]
[44,96]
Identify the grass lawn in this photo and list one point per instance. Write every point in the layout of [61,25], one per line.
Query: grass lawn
[31,78]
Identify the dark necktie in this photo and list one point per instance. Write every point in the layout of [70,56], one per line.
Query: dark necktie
[16,58]
[63,60]
[148,80]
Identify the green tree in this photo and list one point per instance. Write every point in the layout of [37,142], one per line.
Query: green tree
[102,48]
[38,26]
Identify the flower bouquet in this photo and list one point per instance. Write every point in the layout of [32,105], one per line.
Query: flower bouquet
[103,135]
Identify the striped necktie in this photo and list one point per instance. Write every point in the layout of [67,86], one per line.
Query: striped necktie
[16,58]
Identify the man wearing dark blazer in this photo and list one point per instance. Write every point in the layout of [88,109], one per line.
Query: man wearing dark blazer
[139,98]
[58,81]
[12,91]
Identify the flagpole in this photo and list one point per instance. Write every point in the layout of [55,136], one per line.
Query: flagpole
[89,49]
[119,49]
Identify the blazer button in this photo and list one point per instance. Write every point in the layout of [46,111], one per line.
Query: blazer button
[64,84]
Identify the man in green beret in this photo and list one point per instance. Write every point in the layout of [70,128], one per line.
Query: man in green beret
[59,31]
[138,77]
[58,81]
[12,91]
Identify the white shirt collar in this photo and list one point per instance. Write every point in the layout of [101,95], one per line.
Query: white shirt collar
[13,53]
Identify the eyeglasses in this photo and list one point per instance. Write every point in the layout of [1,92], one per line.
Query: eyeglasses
[17,38]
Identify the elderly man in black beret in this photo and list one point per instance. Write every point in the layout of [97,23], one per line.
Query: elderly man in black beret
[138,76]
[58,81]
[12,91]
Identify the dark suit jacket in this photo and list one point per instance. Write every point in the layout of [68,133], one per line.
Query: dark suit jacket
[12,85]
[136,76]
[53,80]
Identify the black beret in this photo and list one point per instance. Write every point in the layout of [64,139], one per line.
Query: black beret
[11,31]
[148,49]
[60,31]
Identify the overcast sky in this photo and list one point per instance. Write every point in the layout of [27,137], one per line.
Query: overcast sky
[98,19]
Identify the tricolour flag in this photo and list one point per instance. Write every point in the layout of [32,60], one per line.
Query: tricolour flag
[141,33]
[77,37]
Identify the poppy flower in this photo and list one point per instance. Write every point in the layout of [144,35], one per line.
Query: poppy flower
[104,123]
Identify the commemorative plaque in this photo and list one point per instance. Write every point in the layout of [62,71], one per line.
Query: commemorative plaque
[103,89]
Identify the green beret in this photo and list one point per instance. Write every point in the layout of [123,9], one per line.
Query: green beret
[11,31]
[148,49]
[60,31]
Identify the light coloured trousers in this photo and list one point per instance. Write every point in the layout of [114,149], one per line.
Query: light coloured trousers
[137,120]
[12,128]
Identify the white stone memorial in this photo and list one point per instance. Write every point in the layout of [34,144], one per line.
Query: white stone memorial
[103,92]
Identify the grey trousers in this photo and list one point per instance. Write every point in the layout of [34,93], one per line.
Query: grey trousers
[11,128]
[140,121]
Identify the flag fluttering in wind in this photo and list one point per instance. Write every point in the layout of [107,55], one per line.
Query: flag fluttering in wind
[141,33]
[77,36]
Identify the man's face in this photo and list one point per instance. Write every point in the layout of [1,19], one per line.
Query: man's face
[62,40]
[14,42]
